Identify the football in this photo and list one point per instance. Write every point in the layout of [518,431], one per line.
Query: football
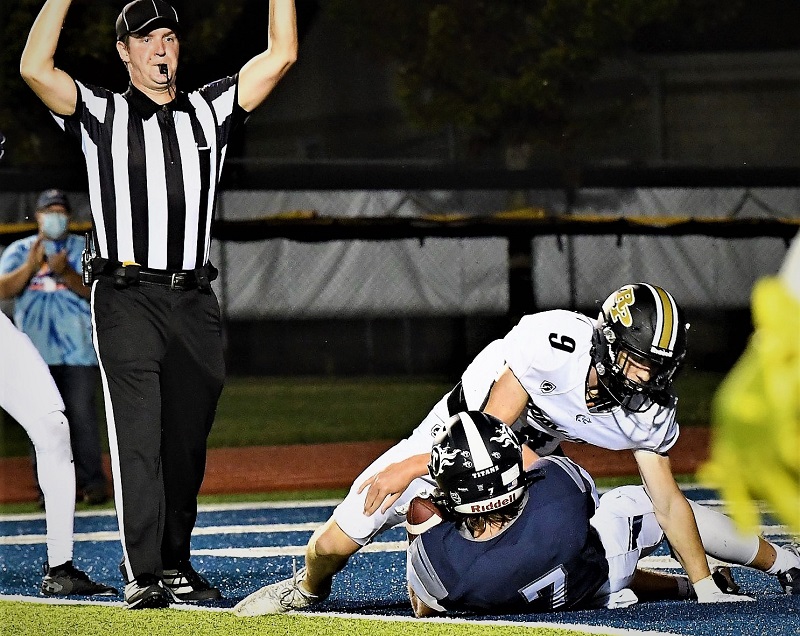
[422,515]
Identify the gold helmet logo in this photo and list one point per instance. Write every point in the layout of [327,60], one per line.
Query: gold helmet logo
[619,311]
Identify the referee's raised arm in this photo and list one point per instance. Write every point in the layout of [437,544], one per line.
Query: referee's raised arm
[260,75]
[37,66]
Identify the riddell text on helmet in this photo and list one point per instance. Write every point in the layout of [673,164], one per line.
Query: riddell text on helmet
[493,505]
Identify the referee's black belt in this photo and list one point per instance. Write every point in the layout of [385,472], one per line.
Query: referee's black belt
[128,274]
[173,280]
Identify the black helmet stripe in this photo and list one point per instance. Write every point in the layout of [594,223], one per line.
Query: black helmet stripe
[481,459]
[665,334]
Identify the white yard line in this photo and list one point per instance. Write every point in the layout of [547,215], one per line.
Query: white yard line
[219,507]
[113,535]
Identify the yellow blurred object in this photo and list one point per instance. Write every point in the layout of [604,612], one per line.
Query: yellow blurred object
[755,447]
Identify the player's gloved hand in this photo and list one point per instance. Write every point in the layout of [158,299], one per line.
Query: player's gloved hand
[707,591]
[755,449]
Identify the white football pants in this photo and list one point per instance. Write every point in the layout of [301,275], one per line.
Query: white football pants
[29,394]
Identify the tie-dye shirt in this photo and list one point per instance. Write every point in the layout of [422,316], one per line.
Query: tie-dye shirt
[56,319]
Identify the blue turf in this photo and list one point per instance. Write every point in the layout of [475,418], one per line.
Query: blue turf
[375,583]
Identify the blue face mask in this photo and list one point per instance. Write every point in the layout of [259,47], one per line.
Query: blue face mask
[54,225]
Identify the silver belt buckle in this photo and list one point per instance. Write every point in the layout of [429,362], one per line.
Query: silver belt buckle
[175,278]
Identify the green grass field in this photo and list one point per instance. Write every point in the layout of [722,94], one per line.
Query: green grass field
[267,411]
[23,619]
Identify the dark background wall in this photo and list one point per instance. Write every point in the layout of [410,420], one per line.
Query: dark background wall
[434,346]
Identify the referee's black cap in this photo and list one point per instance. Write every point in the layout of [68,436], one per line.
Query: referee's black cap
[142,16]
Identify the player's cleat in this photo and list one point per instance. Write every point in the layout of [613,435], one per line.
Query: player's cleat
[67,580]
[146,591]
[279,597]
[790,580]
[185,584]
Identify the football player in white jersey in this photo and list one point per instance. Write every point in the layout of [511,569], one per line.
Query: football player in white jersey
[557,375]
[609,383]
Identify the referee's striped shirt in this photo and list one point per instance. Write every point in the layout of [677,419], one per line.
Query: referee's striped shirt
[153,170]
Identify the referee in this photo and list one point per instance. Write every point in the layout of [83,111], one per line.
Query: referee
[153,157]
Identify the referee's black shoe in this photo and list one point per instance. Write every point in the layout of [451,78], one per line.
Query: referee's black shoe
[186,584]
[146,591]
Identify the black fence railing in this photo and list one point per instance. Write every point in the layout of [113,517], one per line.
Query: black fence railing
[309,228]
[422,175]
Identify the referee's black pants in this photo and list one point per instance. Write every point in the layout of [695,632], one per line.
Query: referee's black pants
[161,359]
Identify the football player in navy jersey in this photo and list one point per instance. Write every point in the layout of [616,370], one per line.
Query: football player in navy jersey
[516,537]
[529,541]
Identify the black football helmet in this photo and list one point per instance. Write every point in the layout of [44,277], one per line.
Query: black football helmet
[644,322]
[477,463]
